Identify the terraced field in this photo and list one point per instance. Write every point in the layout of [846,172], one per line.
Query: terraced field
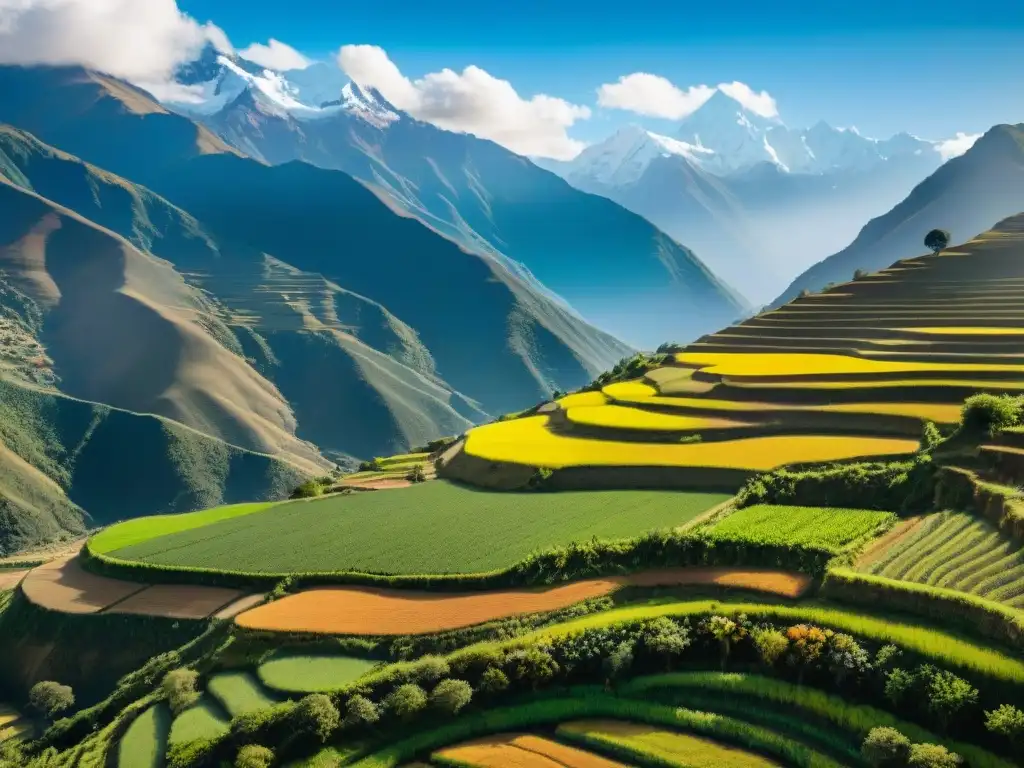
[13,725]
[520,751]
[851,372]
[432,527]
[956,550]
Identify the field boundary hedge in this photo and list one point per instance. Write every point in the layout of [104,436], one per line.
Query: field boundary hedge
[961,488]
[575,561]
[985,617]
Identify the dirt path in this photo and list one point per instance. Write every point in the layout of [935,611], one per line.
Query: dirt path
[379,611]
[10,579]
[63,585]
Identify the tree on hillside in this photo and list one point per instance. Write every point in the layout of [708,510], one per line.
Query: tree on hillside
[948,696]
[449,696]
[51,698]
[1007,721]
[885,748]
[932,756]
[254,756]
[936,240]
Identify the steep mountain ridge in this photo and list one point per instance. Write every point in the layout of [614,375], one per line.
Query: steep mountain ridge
[966,196]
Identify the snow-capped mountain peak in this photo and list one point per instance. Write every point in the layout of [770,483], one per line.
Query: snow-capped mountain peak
[623,157]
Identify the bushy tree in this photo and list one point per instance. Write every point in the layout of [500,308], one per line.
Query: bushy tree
[449,696]
[360,711]
[430,669]
[666,638]
[806,644]
[898,684]
[770,643]
[532,665]
[254,756]
[936,240]
[990,413]
[932,756]
[180,688]
[406,701]
[727,632]
[845,657]
[493,680]
[618,662]
[886,657]
[417,474]
[317,714]
[51,698]
[308,490]
[885,748]
[1007,721]
[949,695]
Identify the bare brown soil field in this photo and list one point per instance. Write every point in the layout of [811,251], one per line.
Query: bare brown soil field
[10,579]
[177,601]
[523,751]
[62,585]
[377,485]
[376,611]
[51,552]
[242,604]
[882,544]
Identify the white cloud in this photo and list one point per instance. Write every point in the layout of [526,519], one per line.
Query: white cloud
[956,146]
[759,103]
[653,95]
[275,55]
[133,39]
[473,101]
[656,96]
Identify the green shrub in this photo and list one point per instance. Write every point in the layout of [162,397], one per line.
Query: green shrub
[885,748]
[430,669]
[179,686]
[907,487]
[360,711]
[417,474]
[406,701]
[317,714]
[1008,722]
[950,696]
[991,413]
[540,480]
[308,490]
[50,698]
[493,680]
[254,756]
[449,696]
[932,756]
[930,436]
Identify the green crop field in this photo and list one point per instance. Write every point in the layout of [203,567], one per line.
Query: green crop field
[145,741]
[309,673]
[434,527]
[203,721]
[238,692]
[955,550]
[663,747]
[821,527]
[142,529]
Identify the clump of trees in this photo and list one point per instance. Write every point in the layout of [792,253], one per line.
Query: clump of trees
[417,474]
[991,413]
[888,748]
[50,698]
[936,240]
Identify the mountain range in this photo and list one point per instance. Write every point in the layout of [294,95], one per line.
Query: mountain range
[966,196]
[634,282]
[736,186]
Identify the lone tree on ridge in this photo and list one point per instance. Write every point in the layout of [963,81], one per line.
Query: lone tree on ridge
[936,240]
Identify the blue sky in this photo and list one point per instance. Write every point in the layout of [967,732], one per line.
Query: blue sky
[932,68]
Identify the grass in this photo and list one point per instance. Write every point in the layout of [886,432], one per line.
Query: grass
[202,721]
[820,527]
[814,364]
[311,674]
[620,417]
[593,704]
[802,702]
[238,692]
[432,527]
[940,647]
[145,742]
[528,441]
[143,529]
[582,399]
[649,745]
[955,550]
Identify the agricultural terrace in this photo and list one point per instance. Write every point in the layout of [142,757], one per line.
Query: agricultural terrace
[521,750]
[955,550]
[13,725]
[428,528]
[145,741]
[851,372]
[388,472]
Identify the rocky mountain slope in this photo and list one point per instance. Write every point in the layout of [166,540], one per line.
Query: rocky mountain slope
[965,196]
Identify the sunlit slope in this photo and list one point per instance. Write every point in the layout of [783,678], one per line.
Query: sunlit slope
[851,373]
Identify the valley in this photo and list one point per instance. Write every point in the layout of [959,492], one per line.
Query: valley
[355,415]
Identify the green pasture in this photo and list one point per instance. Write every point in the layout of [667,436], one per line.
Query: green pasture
[312,673]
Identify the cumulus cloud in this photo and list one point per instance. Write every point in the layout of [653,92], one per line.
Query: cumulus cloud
[656,96]
[956,146]
[759,103]
[473,101]
[652,95]
[275,55]
[133,39]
